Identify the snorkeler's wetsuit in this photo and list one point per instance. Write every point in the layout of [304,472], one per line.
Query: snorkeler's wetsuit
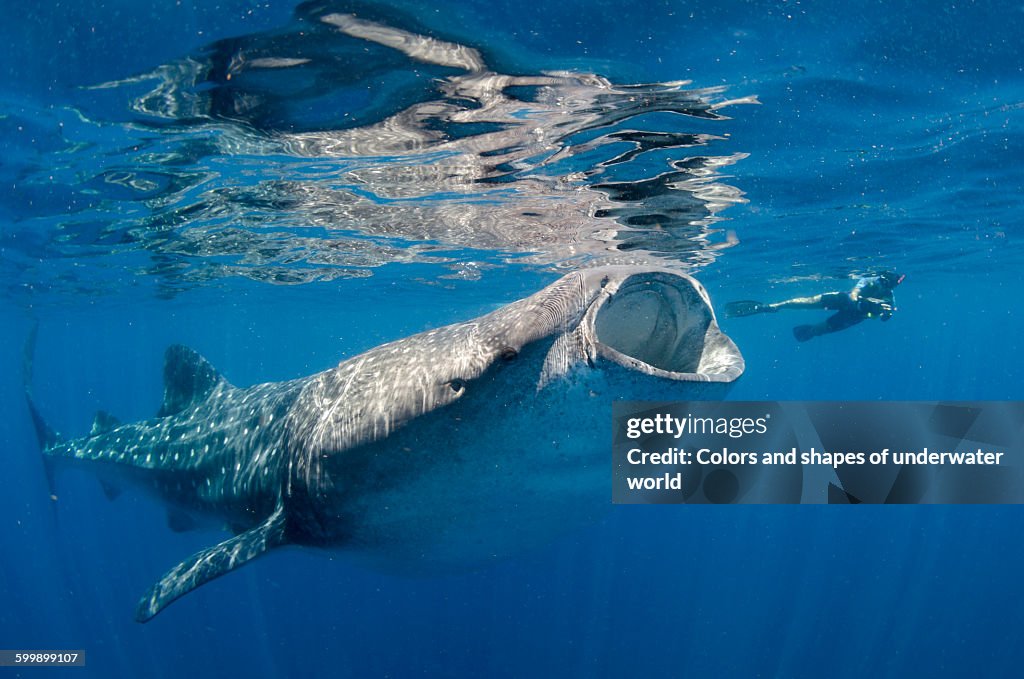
[869,298]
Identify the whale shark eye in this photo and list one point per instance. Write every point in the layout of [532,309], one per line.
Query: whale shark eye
[457,385]
[509,354]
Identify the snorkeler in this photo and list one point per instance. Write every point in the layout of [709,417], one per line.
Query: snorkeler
[872,297]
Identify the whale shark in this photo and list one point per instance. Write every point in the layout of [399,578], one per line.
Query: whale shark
[452,446]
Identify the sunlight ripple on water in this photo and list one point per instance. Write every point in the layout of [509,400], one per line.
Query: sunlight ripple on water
[339,144]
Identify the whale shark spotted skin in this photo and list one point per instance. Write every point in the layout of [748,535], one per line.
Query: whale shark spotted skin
[447,447]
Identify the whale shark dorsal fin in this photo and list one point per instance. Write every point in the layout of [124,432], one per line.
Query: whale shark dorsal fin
[212,563]
[188,379]
[103,422]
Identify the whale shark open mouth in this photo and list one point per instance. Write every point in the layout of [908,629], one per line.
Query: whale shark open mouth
[662,323]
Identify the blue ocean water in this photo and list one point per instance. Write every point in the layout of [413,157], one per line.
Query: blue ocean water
[211,175]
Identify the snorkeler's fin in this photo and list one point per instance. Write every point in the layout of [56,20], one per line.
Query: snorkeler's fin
[747,307]
[802,333]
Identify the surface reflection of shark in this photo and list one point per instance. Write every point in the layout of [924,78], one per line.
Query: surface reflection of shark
[448,447]
[565,168]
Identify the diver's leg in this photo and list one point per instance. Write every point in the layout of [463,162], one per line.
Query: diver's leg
[843,320]
[837,301]
[834,323]
[813,302]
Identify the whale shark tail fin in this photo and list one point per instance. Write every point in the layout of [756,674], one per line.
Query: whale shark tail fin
[747,307]
[188,379]
[47,438]
[212,563]
[45,434]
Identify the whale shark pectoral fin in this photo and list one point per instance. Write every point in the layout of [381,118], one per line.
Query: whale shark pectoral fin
[188,379]
[212,563]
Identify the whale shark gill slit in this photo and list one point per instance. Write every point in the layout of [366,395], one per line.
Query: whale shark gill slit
[420,453]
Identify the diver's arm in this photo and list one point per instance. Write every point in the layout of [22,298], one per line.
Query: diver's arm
[872,307]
